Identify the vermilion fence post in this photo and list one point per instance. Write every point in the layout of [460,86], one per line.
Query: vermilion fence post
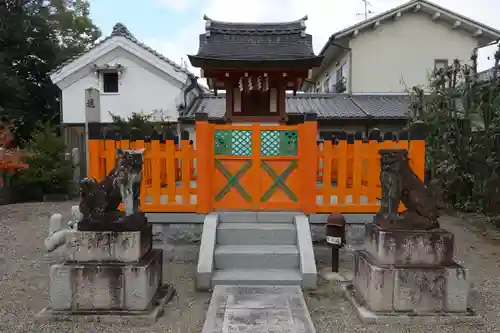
[204,163]
[308,160]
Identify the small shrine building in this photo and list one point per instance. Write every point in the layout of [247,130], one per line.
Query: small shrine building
[256,64]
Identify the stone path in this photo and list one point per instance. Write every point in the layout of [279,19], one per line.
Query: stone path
[258,309]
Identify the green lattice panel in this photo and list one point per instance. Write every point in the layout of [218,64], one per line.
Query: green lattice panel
[278,143]
[233,142]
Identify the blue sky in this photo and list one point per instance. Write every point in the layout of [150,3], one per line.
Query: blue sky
[172,26]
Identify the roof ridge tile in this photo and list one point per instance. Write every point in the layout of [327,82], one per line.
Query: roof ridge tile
[120,30]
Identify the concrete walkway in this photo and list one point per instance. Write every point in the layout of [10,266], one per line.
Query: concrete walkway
[258,309]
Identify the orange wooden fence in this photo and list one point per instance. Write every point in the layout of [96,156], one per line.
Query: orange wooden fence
[341,177]
[348,176]
[162,189]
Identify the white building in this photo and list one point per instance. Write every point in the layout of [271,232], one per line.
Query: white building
[130,76]
[398,49]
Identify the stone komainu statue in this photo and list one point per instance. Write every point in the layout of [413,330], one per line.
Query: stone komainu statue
[100,200]
[400,183]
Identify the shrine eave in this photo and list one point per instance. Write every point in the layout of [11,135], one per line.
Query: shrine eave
[221,62]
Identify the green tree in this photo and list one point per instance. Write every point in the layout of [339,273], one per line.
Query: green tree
[463,116]
[35,37]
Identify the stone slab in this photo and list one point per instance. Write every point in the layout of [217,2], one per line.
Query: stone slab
[106,286]
[409,247]
[410,289]
[205,267]
[307,264]
[125,246]
[161,218]
[368,316]
[248,309]
[258,216]
[349,218]
[136,318]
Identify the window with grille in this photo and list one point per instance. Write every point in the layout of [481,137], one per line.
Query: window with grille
[110,82]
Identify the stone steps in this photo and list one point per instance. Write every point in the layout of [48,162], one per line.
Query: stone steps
[257,277]
[253,251]
[256,256]
[256,233]
[256,253]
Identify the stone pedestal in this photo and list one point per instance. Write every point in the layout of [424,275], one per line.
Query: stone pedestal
[405,275]
[109,246]
[108,276]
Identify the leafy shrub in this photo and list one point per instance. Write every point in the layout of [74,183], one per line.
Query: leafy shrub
[462,112]
[48,173]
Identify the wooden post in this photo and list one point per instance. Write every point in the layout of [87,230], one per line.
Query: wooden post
[92,121]
[308,162]
[204,163]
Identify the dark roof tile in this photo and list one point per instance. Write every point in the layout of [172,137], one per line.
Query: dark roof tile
[326,106]
[255,41]
[384,106]
[121,30]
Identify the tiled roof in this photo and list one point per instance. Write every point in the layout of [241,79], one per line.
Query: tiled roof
[327,106]
[255,41]
[121,30]
[384,106]
[488,33]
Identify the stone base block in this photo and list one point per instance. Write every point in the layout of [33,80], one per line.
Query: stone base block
[124,246]
[368,316]
[409,247]
[106,286]
[410,289]
[139,317]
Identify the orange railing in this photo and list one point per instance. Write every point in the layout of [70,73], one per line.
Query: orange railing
[168,175]
[348,178]
[334,177]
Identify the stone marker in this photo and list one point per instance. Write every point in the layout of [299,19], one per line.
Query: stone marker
[111,273]
[406,272]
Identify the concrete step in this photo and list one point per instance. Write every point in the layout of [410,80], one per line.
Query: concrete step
[256,257]
[257,277]
[256,234]
[258,217]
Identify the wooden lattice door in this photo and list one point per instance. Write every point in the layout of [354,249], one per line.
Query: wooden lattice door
[256,168]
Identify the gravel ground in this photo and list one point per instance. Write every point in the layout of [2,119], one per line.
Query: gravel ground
[476,247]
[24,279]
[24,282]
